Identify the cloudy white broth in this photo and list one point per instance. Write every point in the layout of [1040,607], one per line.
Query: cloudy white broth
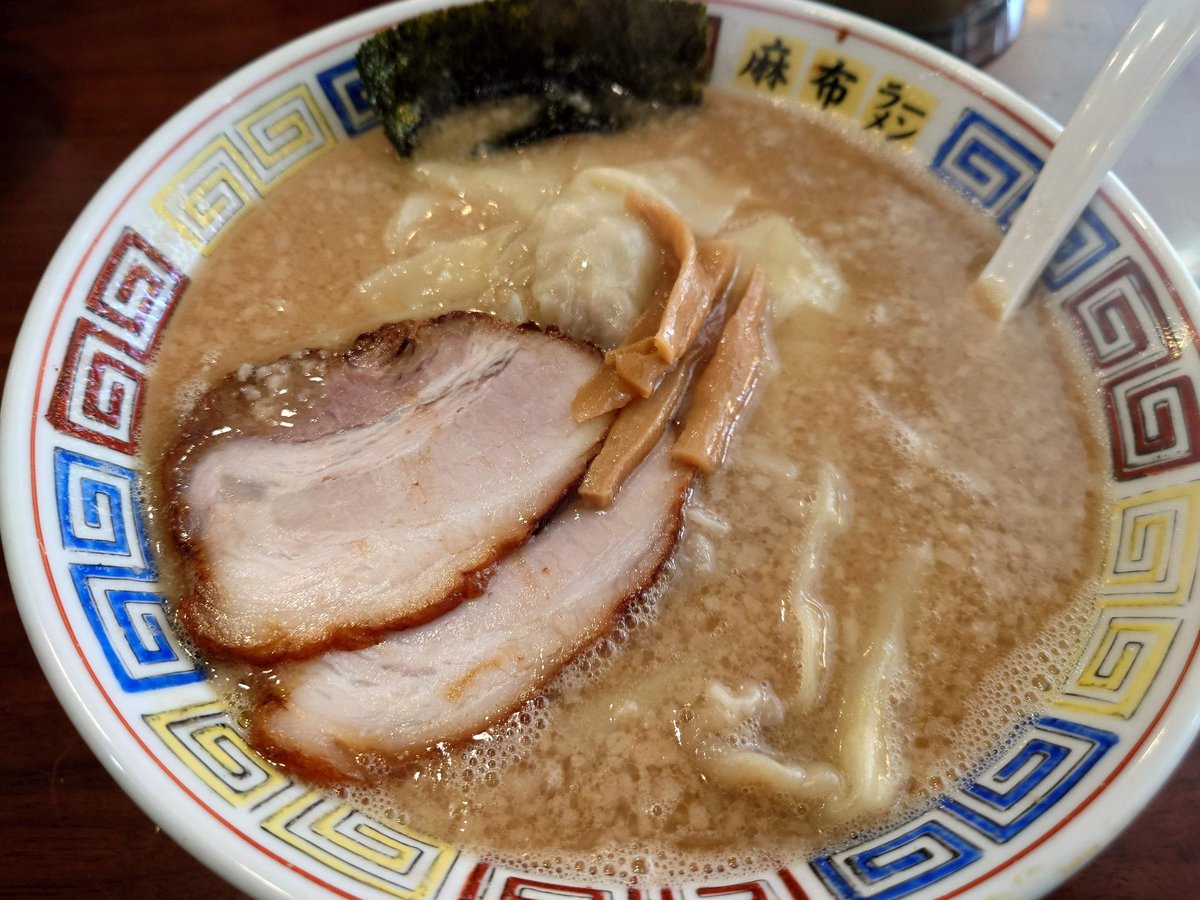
[892,569]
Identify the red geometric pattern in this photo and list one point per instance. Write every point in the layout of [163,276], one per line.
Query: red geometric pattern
[1143,347]
[529,889]
[485,882]
[476,879]
[135,293]
[1154,419]
[99,393]
[792,885]
[1121,321]
[751,890]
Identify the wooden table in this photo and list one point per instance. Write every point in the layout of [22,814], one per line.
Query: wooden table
[82,84]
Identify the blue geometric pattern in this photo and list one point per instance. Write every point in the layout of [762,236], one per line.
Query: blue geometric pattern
[98,508]
[344,89]
[1047,757]
[987,164]
[1011,795]
[115,579]
[131,622]
[1047,760]
[1087,243]
[922,853]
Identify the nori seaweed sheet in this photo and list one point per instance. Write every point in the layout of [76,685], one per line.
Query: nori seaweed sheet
[593,65]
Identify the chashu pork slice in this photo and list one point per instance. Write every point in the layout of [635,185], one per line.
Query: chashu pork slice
[334,714]
[327,498]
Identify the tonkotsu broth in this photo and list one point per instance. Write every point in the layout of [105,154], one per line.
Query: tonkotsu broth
[911,391]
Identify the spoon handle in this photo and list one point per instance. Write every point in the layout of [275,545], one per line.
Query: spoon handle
[1149,55]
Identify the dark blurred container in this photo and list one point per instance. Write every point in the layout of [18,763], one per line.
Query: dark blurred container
[975,30]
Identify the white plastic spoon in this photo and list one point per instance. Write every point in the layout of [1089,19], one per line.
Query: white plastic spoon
[1148,57]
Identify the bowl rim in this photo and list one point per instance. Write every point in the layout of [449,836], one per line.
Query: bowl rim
[236,856]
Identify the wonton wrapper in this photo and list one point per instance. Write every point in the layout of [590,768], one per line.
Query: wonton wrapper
[461,272]
[595,265]
[588,264]
[797,274]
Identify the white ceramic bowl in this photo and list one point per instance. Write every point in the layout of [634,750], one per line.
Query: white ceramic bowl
[86,581]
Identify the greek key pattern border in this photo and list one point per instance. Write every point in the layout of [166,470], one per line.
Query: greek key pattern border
[1133,326]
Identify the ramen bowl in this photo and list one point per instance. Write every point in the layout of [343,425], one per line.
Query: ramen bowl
[1040,803]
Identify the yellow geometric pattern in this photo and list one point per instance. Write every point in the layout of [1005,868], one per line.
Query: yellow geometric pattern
[216,186]
[207,742]
[835,82]
[770,63]
[386,857]
[283,134]
[1125,655]
[1154,543]
[208,194]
